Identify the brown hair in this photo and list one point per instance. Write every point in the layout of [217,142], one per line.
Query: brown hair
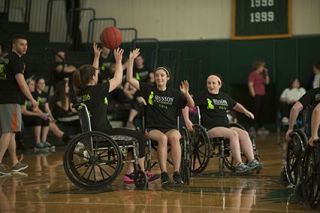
[258,64]
[82,76]
[166,69]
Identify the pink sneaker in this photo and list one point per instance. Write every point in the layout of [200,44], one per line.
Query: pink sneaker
[152,177]
[128,178]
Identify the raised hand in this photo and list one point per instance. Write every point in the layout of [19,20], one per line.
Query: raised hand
[134,53]
[96,50]
[184,86]
[118,54]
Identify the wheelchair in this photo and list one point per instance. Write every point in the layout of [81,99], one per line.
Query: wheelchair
[93,160]
[295,155]
[203,148]
[185,165]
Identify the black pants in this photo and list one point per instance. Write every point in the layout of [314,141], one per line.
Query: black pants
[285,109]
[131,133]
[258,106]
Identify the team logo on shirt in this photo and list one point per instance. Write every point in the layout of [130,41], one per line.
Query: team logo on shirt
[150,98]
[41,100]
[162,101]
[220,103]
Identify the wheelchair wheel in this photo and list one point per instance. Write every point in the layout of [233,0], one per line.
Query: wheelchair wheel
[295,157]
[92,160]
[200,153]
[140,179]
[185,167]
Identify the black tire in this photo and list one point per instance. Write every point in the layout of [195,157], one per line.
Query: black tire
[185,167]
[200,152]
[140,179]
[296,148]
[99,156]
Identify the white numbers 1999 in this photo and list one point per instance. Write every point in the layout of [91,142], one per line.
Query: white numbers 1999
[262,17]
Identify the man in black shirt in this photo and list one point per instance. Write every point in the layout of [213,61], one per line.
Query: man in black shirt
[12,88]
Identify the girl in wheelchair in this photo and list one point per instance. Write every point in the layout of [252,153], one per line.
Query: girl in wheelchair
[213,106]
[162,110]
[95,96]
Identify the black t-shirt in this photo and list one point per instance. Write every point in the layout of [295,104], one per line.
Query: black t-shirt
[162,107]
[213,108]
[312,97]
[10,92]
[41,98]
[141,74]
[96,99]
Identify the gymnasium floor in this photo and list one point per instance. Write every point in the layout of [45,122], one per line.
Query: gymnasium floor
[45,188]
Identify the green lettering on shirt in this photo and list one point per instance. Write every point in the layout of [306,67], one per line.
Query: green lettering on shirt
[3,75]
[138,77]
[106,101]
[150,99]
[210,105]
[85,97]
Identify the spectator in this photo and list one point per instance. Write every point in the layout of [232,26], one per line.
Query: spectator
[140,71]
[257,80]
[12,88]
[288,97]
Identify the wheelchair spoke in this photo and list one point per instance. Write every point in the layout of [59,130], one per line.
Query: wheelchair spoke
[77,166]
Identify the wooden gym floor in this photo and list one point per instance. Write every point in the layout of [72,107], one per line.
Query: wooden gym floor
[45,188]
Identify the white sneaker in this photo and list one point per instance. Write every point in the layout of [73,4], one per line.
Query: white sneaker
[285,121]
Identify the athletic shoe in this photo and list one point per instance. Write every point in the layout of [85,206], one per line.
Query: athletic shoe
[241,169]
[19,167]
[165,180]
[47,144]
[41,146]
[4,170]
[177,178]
[152,177]
[254,165]
[128,178]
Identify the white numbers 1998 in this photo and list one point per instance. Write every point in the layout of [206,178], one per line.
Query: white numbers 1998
[262,3]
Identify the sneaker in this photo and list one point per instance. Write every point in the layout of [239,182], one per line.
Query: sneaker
[4,170]
[285,121]
[241,169]
[47,144]
[254,165]
[165,180]
[41,146]
[177,178]
[152,177]
[19,167]
[128,178]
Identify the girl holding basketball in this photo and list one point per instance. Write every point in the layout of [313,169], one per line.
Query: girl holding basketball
[162,110]
[95,96]
[213,106]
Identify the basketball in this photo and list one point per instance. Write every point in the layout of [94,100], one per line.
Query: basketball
[111,37]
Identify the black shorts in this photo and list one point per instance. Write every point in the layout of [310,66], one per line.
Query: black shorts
[163,130]
[32,121]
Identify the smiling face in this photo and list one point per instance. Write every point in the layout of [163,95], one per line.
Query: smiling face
[213,84]
[31,85]
[41,84]
[161,78]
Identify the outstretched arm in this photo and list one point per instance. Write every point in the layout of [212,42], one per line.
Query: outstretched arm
[295,110]
[117,79]
[239,108]
[134,82]
[96,52]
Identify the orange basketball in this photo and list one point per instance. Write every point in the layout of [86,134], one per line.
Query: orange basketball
[111,37]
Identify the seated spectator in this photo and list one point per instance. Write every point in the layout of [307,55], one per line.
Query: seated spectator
[39,119]
[289,97]
[62,106]
[61,69]
[140,71]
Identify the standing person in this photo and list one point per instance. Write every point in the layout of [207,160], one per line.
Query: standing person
[12,88]
[163,107]
[257,81]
